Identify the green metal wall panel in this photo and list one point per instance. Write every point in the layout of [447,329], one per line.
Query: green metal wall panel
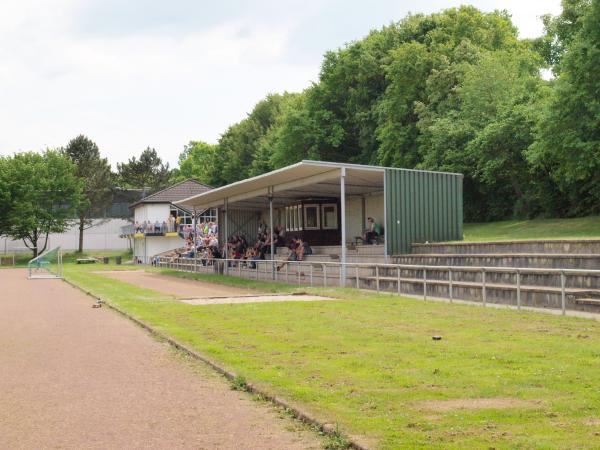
[422,206]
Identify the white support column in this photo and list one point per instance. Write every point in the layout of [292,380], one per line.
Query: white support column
[195,223]
[272,231]
[385,221]
[225,232]
[343,214]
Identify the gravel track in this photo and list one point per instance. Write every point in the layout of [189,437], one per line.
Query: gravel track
[72,376]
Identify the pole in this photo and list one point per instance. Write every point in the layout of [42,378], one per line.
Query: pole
[563,296]
[450,285]
[518,289]
[483,289]
[272,233]
[226,234]
[343,214]
[195,222]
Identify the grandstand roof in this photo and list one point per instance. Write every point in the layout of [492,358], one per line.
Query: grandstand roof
[179,191]
[301,180]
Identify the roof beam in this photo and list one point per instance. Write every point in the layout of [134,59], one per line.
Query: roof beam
[313,179]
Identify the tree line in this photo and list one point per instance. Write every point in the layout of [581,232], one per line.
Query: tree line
[48,192]
[455,91]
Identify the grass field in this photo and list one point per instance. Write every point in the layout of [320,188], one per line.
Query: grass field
[581,228]
[22,258]
[368,363]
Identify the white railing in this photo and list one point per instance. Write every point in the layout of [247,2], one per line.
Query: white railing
[369,276]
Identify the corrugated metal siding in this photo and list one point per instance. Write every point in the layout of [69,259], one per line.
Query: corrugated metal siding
[241,221]
[422,206]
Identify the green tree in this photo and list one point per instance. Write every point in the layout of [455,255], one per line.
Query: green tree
[199,160]
[5,197]
[94,172]
[240,145]
[568,135]
[148,171]
[485,129]
[561,30]
[44,193]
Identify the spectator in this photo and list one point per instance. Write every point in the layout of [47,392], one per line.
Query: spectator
[372,232]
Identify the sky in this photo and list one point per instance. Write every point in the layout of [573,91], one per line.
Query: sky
[138,73]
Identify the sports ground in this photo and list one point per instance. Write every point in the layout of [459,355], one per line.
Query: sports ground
[80,377]
[360,361]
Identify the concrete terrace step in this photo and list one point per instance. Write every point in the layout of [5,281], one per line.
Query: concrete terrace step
[563,246]
[552,289]
[588,301]
[531,260]
[507,294]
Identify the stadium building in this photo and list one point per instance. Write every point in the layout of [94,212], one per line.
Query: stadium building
[327,204]
[158,221]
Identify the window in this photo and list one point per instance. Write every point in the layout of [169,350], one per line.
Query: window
[289,218]
[210,215]
[311,217]
[299,220]
[186,218]
[329,216]
[294,213]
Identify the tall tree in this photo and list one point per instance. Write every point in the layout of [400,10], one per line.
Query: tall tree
[5,197]
[568,136]
[148,171]
[44,193]
[560,31]
[199,160]
[94,172]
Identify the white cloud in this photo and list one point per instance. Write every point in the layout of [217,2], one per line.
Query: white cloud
[163,85]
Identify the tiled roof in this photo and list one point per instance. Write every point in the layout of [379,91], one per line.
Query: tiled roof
[179,191]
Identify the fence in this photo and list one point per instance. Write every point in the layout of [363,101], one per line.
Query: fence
[550,288]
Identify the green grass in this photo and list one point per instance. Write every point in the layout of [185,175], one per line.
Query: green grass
[21,259]
[367,362]
[581,228]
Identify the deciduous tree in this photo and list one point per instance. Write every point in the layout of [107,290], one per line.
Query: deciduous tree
[44,194]
[94,172]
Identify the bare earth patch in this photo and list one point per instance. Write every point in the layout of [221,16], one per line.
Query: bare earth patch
[256,299]
[476,403]
[592,422]
[195,292]
[177,287]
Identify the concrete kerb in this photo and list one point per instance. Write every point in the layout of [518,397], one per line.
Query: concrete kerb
[295,411]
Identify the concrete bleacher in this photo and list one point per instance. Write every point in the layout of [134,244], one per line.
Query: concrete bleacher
[542,288]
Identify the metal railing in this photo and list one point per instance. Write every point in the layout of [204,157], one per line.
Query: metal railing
[369,275]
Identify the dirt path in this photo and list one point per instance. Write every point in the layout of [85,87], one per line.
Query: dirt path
[76,377]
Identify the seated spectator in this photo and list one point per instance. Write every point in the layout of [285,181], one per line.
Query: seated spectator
[372,232]
[296,250]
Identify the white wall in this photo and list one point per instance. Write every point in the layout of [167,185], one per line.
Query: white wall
[145,248]
[374,208]
[152,212]
[102,236]
[354,225]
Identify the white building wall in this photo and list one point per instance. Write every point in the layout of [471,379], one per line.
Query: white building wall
[104,235]
[152,212]
[146,248]
[374,208]
[354,226]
